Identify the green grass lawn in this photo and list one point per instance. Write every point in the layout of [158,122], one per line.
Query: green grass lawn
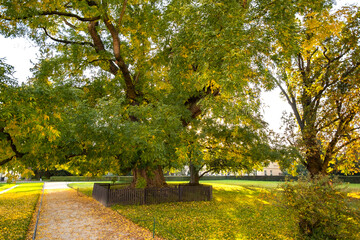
[353,187]
[245,183]
[85,187]
[16,209]
[4,186]
[236,212]
[239,210]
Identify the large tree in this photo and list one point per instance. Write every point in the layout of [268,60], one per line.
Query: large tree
[124,40]
[156,77]
[150,69]
[315,62]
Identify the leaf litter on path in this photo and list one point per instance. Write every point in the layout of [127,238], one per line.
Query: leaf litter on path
[67,215]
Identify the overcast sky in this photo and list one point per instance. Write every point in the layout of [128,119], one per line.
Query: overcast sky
[19,53]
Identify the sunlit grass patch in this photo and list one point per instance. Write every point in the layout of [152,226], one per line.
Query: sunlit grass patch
[355,186]
[16,209]
[4,186]
[236,212]
[354,195]
[245,183]
[239,210]
[352,187]
[85,187]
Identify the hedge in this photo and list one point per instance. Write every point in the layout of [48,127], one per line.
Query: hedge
[349,179]
[83,178]
[167,178]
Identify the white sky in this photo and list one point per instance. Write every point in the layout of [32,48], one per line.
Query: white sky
[19,53]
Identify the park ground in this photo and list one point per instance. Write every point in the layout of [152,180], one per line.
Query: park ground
[239,210]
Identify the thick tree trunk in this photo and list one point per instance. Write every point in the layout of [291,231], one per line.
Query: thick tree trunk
[194,175]
[315,166]
[314,163]
[148,178]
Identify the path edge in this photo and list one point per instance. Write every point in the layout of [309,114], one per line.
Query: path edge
[33,221]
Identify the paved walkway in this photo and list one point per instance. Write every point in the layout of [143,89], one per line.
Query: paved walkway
[67,215]
[56,185]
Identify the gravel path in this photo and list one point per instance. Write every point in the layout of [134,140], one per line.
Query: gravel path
[56,185]
[65,214]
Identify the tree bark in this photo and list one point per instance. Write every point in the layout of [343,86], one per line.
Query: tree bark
[153,177]
[194,175]
[314,166]
[14,148]
[314,163]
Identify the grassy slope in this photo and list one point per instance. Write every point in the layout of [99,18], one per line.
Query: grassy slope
[16,209]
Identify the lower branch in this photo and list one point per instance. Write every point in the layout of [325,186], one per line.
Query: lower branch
[3,162]
[204,173]
[67,41]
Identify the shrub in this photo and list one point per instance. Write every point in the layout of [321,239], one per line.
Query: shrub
[321,208]
[79,178]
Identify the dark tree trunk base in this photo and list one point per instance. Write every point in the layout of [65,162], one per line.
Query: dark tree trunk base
[194,176]
[153,177]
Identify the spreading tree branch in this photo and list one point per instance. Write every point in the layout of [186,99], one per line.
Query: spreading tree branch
[3,162]
[122,12]
[69,24]
[130,88]
[18,154]
[205,173]
[292,103]
[192,102]
[51,13]
[83,153]
[346,144]
[331,149]
[99,45]
[67,41]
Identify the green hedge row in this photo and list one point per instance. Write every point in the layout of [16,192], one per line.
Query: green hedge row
[349,179]
[167,178]
[82,178]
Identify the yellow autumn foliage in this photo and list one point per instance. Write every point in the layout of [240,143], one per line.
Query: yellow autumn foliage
[16,209]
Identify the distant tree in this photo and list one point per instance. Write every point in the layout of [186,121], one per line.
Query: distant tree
[235,150]
[315,62]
